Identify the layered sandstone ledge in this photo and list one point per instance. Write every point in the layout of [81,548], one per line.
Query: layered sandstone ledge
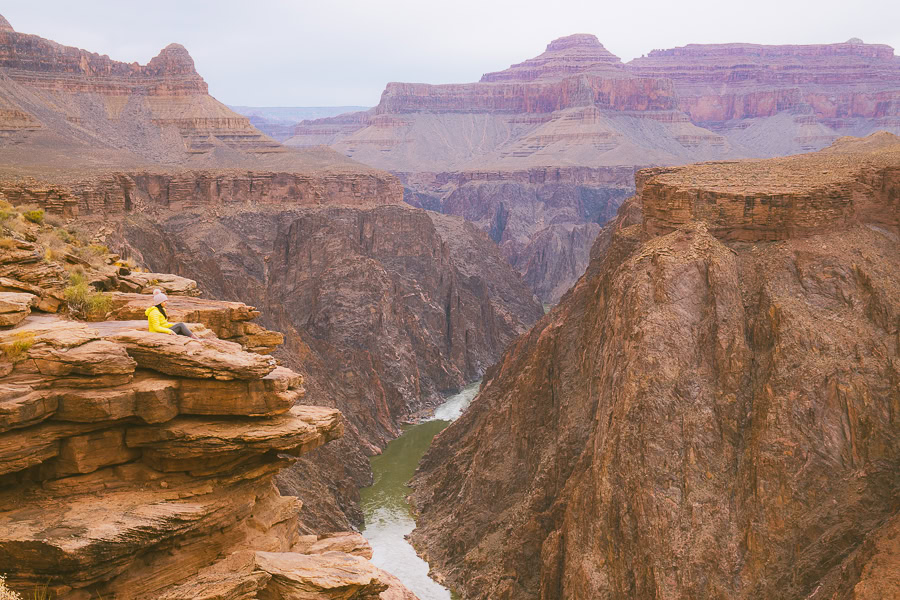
[136,465]
[72,195]
[776,199]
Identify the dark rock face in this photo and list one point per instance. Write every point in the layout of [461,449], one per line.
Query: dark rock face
[383,308]
[544,220]
[695,419]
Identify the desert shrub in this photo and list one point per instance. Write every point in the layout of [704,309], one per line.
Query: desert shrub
[82,300]
[50,255]
[35,216]
[5,592]
[17,349]
[65,236]
[7,211]
[54,220]
[8,243]
[99,249]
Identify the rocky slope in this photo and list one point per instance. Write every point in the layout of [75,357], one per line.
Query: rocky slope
[529,146]
[783,99]
[139,465]
[710,412]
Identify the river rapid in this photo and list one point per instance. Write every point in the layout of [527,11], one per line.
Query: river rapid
[388,516]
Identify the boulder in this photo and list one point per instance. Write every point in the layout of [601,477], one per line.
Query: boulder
[348,542]
[22,406]
[186,357]
[145,283]
[274,394]
[333,575]
[14,307]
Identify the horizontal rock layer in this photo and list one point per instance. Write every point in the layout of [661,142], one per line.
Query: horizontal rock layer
[128,191]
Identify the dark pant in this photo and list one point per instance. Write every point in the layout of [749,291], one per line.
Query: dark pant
[181,329]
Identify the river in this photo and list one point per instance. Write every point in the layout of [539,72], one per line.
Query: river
[388,517]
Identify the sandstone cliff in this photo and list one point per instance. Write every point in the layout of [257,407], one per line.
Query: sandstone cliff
[140,465]
[709,413]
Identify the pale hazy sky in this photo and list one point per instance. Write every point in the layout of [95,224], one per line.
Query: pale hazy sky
[342,52]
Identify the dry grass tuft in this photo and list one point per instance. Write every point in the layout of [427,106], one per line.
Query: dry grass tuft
[18,348]
[6,593]
[83,302]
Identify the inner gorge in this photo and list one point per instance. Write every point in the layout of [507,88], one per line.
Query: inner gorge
[583,328]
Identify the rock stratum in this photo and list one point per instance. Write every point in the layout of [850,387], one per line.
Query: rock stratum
[140,465]
[711,412]
[542,153]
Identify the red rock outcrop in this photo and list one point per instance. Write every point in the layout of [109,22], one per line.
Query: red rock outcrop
[710,412]
[141,465]
[571,55]
[71,195]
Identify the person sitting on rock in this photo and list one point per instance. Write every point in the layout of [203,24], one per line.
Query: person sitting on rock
[158,319]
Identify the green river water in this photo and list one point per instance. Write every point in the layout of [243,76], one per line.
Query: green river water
[388,516]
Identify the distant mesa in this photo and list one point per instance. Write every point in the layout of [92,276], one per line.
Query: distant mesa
[4,24]
[174,59]
[576,53]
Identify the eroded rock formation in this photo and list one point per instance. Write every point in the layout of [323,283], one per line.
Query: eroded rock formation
[141,465]
[711,412]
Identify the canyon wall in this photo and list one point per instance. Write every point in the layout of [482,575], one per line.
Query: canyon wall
[384,307]
[710,412]
[79,94]
[547,145]
[578,107]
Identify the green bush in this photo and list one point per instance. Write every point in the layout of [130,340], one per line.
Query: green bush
[83,301]
[35,216]
[99,249]
[6,215]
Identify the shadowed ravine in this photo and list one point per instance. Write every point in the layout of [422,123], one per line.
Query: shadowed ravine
[388,517]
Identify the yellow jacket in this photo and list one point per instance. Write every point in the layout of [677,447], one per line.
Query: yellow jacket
[158,322]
